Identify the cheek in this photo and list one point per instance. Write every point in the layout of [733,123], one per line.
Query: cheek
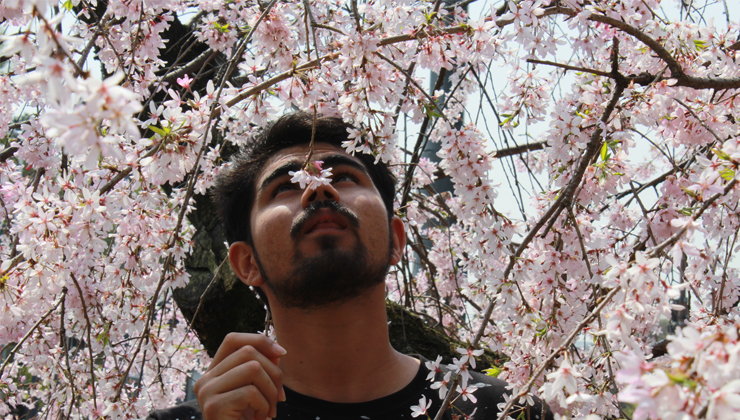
[375,221]
[271,228]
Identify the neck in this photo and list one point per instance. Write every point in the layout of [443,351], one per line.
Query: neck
[341,353]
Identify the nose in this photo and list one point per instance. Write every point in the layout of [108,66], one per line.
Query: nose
[321,193]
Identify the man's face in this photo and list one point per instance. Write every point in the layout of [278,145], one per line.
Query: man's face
[316,247]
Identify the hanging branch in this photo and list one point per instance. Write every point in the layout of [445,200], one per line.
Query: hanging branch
[88,328]
[193,175]
[564,200]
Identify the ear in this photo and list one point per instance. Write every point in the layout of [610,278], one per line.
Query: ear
[398,234]
[244,264]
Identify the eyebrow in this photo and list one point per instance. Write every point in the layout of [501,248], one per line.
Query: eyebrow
[279,172]
[337,160]
[329,161]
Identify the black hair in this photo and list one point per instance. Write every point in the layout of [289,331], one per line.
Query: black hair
[235,188]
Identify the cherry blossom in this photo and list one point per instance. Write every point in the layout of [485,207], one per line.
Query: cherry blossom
[312,177]
[591,151]
[421,409]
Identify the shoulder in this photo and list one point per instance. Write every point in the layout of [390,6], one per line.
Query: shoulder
[189,410]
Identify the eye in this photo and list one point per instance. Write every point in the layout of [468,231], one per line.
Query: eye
[284,187]
[343,177]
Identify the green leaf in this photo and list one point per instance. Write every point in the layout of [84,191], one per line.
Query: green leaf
[727,174]
[604,152]
[508,118]
[432,111]
[67,5]
[222,28]
[494,371]
[700,45]
[690,193]
[104,336]
[161,131]
[681,379]
[720,154]
[429,17]
[686,211]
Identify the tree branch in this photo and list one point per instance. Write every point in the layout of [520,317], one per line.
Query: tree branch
[682,79]
[5,154]
[563,200]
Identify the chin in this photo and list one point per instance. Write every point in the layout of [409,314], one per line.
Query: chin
[332,276]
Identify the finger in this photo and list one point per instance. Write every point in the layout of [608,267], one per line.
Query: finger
[247,414]
[235,341]
[245,355]
[281,390]
[248,374]
[237,402]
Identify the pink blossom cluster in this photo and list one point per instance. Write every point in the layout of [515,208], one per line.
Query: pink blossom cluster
[592,150]
[698,377]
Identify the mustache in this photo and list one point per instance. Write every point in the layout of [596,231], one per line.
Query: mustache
[315,207]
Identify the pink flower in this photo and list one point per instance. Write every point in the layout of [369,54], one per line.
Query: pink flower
[725,403]
[418,410]
[184,81]
[311,177]
[442,385]
[467,393]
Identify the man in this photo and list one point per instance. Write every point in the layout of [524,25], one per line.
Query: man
[319,256]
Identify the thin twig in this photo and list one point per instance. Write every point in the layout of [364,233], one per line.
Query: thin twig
[730,248]
[580,240]
[410,78]
[310,19]
[569,67]
[208,289]
[89,340]
[703,124]
[356,15]
[52,33]
[676,236]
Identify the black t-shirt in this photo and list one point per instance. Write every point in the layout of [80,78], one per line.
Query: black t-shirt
[395,406]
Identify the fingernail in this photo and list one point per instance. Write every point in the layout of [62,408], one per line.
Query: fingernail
[281,394]
[281,351]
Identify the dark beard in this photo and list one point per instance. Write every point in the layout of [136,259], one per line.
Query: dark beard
[333,276]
